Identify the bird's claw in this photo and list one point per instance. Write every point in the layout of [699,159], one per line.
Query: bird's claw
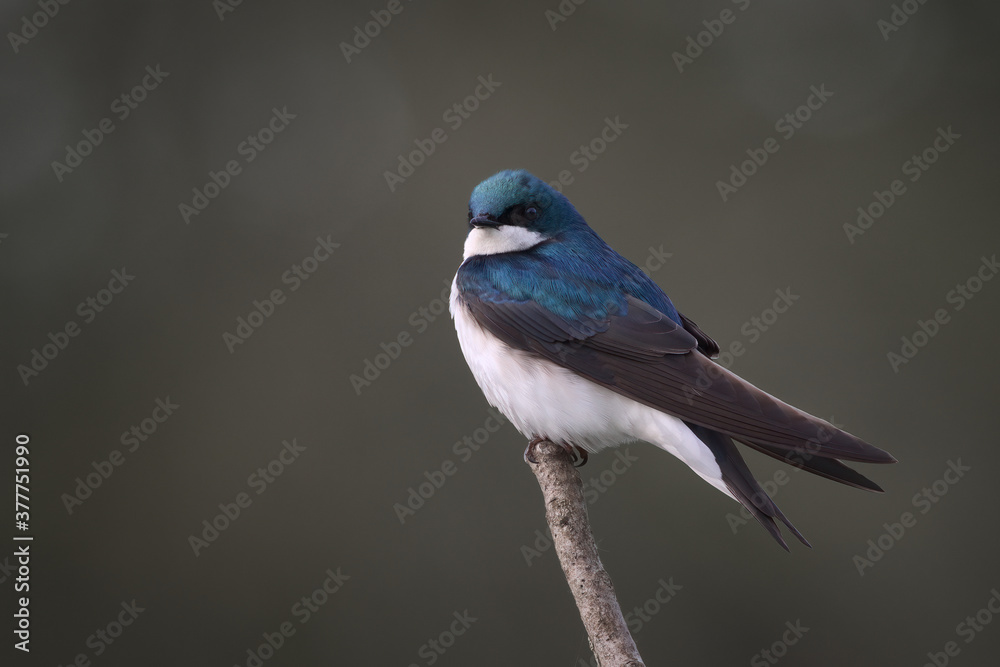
[529,451]
[577,454]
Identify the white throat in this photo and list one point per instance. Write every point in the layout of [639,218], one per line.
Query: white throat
[505,238]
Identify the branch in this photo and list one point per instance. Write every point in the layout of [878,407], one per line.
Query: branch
[566,513]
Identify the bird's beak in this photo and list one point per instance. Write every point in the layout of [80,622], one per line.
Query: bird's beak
[484,220]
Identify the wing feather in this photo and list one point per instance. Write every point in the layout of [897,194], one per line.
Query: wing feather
[641,353]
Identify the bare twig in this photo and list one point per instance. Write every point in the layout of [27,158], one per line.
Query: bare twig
[566,513]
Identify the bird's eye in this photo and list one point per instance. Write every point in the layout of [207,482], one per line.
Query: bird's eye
[470,215]
[531,213]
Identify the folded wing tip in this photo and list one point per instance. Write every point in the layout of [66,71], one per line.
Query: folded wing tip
[877,455]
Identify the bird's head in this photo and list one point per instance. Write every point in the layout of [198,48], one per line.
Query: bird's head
[512,211]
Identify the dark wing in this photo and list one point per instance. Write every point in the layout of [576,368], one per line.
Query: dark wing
[644,355]
[706,345]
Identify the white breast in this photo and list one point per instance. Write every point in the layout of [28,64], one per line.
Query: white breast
[543,399]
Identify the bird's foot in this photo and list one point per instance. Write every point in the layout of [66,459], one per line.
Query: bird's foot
[577,454]
[529,451]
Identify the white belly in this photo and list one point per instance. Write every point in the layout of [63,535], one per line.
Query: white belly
[543,399]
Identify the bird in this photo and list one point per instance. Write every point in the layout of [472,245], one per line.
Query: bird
[576,345]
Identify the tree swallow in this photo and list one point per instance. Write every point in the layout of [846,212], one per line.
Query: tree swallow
[576,345]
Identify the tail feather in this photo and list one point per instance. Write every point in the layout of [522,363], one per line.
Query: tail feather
[741,483]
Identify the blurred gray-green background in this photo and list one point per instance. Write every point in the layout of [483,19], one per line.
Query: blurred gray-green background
[225,80]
